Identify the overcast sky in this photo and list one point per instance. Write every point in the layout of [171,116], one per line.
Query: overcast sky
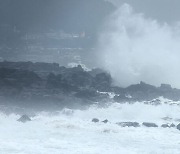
[162,10]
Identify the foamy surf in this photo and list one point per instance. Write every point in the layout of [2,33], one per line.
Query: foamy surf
[71,131]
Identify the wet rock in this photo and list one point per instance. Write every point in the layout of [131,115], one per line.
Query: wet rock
[95,120]
[24,118]
[148,124]
[105,121]
[102,82]
[178,126]
[165,126]
[172,125]
[128,124]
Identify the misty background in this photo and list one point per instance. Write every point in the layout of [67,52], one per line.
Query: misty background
[133,40]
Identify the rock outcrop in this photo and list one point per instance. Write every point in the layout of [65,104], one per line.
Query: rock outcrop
[165,126]
[148,124]
[128,124]
[178,126]
[95,120]
[29,82]
[105,121]
[172,125]
[24,118]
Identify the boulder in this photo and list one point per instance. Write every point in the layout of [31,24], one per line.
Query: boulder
[24,118]
[165,126]
[128,124]
[178,126]
[95,120]
[148,124]
[105,121]
[172,125]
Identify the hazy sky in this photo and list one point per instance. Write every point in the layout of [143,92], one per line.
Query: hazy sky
[162,10]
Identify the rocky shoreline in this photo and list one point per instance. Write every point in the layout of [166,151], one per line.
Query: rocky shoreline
[28,84]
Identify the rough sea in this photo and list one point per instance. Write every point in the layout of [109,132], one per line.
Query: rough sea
[73,132]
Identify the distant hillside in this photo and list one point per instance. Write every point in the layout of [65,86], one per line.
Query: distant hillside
[43,15]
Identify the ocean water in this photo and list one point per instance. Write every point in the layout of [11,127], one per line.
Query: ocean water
[72,132]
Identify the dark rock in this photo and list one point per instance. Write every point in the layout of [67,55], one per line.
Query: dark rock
[24,118]
[178,126]
[128,124]
[102,82]
[148,124]
[29,82]
[142,91]
[96,71]
[172,125]
[87,94]
[142,86]
[165,126]
[18,78]
[165,87]
[105,121]
[95,120]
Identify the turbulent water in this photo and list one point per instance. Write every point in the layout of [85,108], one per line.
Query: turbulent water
[72,132]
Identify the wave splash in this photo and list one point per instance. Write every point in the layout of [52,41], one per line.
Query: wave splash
[135,48]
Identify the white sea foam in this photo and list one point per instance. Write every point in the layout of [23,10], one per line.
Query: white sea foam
[72,132]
